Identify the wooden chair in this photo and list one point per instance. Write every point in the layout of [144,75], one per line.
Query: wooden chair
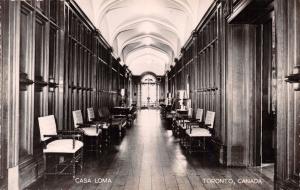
[196,133]
[127,113]
[118,123]
[182,118]
[197,121]
[91,131]
[92,119]
[91,114]
[105,135]
[57,144]
[190,122]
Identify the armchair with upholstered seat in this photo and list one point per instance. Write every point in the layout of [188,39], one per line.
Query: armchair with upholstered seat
[60,144]
[91,131]
[200,132]
[187,122]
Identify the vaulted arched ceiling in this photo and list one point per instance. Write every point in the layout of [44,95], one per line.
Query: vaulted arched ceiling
[146,34]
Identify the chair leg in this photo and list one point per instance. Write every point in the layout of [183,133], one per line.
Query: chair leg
[74,166]
[190,145]
[81,161]
[180,139]
[45,165]
[185,143]
[99,143]
[57,161]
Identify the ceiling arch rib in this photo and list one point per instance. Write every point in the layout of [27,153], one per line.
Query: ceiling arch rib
[145,49]
[153,64]
[150,51]
[148,40]
[136,33]
[149,58]
[147,6]
[135,40]
[145,25]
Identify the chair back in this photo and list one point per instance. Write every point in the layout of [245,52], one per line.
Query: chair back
[77,118]
[190,112]
[210,118]
[101,113]
[106,112]
[90,114]
[47,126]
[199,114]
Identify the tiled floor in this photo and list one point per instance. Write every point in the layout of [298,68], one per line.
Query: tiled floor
[149,157]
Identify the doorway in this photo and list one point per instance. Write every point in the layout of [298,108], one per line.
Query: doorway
[149,91]
[266,93]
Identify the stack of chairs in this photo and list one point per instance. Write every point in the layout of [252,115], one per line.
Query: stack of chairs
[188,122]
[92,131]
[197,133]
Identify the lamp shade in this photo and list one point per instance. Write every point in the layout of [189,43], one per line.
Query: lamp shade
[122,92]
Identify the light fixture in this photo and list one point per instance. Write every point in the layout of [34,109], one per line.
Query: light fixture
[122,92]
[295,78]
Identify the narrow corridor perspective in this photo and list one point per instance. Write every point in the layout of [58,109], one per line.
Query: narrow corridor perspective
[150,94]
[149,157]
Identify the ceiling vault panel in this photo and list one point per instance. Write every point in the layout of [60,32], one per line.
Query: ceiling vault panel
[146,34]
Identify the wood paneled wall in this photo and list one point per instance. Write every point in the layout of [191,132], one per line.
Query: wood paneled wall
[96,76]
[239,93]
[225,63]
[201,66]
[56,62]
[3,172]
[288,122]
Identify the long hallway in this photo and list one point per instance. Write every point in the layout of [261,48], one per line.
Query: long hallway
[149,157]
[77,75]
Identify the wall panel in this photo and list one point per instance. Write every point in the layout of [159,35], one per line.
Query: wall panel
[201,60]
[58,62]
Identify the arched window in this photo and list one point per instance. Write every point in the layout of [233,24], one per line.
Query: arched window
[148,78]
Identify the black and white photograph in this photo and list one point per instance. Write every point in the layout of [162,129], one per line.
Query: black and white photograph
[149,94]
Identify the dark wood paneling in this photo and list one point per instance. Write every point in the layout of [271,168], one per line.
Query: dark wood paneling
[2,154]
[64,64]
[239,97]
[287,37]
[96,76]
[248,11]
[201,60]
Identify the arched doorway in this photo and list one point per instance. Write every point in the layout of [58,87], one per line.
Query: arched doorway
[149,91]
